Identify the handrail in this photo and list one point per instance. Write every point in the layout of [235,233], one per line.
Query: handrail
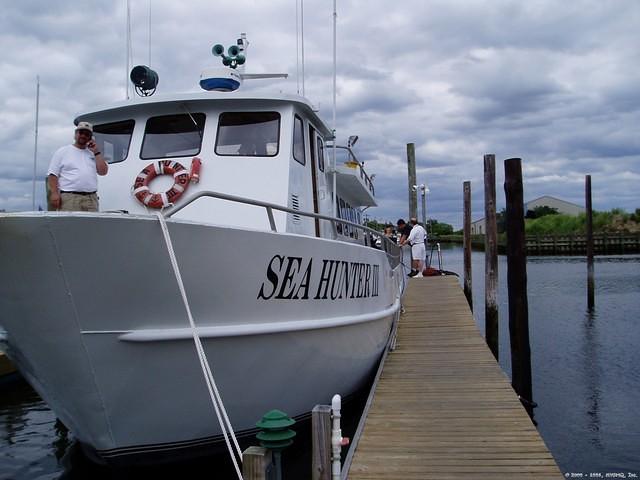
[390,249]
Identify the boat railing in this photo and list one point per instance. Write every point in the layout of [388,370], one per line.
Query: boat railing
[353,160]
[390,248]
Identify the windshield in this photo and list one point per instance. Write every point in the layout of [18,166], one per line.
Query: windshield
[173,136]
[252,134]
[113,139]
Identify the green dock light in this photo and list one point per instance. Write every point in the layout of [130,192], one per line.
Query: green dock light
[275,435]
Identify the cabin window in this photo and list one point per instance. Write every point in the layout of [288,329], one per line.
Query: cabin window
[173,136]
[298,140]
[113,139]
[339,215]
[351,219]
[344,216]
[320,147]
[248,134]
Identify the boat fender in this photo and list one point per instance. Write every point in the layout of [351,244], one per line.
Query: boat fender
[162,199]
[194,175]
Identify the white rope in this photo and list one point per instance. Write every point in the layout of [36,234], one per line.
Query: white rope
[216,399]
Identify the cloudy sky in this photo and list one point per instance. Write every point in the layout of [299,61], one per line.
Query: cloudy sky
[556,83]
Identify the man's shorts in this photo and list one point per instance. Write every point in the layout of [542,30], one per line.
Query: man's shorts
[73,202]
[418,252]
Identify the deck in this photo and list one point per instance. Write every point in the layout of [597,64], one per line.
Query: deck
[443,409]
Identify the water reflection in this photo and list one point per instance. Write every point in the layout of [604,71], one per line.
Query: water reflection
[62,441]
[591,375]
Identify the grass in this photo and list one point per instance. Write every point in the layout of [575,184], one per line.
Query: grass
[614,221]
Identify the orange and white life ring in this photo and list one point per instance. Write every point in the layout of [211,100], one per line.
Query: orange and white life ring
[162,199]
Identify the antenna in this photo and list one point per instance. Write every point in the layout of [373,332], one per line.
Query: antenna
[302,40]
[297,50]
[335,20]
[149,32]
[128,54]
[35,147]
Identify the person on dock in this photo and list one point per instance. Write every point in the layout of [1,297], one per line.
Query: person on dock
[404,231]
[72,178]
[417,239]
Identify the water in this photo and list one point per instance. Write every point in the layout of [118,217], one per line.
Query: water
[585,365]
[586,382]
[34,446]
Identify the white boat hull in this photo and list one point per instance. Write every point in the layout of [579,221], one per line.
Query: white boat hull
[96,323]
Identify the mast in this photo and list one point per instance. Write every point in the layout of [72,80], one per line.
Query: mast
[335,17]
[128,50]
[302,40]
[297,49]
[35,147]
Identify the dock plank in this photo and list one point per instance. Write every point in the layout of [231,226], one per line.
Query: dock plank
[443,409]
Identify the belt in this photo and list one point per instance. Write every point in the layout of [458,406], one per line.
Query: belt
[78,193]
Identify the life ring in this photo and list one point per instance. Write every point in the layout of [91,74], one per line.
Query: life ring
[163,199]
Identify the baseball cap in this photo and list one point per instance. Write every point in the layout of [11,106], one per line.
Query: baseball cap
[84,126]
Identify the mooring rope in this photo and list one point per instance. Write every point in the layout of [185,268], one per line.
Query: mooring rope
[214,394]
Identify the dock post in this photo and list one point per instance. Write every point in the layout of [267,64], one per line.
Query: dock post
[490,256]
[413,194]
[517,285]
[321,442]
[467,244]
[256,463]
[590,277]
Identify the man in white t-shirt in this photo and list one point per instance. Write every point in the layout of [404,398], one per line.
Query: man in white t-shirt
[72,178]
[417,239]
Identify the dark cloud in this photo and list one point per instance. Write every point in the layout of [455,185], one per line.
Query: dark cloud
[552,83]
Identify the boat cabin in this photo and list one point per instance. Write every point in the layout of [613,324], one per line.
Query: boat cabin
[270,149]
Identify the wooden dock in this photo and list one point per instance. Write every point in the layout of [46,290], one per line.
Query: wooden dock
[443,409]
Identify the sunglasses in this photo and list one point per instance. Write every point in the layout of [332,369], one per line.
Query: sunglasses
[84,132]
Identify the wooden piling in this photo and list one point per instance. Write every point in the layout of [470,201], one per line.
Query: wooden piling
[256,463]
[517,284]
[413,194]
[467,244]
[321,442]
[490,256]
[590,278]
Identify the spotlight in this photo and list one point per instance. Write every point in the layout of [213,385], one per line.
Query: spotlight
[144,79]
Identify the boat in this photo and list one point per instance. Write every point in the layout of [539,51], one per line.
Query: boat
[7,369]
[220,208]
